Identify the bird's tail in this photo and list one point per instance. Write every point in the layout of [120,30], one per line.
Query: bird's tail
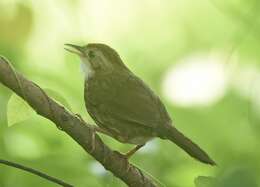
[186,144]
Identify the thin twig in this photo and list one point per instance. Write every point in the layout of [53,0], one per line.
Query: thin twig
[35,172]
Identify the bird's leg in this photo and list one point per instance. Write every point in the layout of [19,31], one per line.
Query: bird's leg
[132,151]
[93,133]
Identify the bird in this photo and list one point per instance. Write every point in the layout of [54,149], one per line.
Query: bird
[123,106]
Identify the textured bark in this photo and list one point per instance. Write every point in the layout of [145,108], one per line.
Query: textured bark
[70,123]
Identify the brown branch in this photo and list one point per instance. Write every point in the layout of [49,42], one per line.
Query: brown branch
[76,128]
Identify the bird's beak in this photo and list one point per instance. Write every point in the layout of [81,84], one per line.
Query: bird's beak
[75,49]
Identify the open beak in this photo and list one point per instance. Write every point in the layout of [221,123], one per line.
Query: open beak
[75,49]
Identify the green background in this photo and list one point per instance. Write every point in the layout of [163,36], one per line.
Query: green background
[152,37]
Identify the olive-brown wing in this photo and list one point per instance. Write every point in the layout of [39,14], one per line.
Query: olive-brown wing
[134,102]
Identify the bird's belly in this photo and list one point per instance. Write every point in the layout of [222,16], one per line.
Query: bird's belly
[139,140]
[125,138]
[119,130]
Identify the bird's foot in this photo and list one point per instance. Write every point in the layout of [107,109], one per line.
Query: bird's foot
[93,133]
[129,154]
[80,118]
[126,163]
[93,139]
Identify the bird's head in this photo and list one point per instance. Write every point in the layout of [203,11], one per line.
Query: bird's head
[96,57]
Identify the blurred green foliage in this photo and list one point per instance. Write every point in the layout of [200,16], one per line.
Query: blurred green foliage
[151,37]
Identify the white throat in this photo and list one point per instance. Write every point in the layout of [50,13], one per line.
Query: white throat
[86,69]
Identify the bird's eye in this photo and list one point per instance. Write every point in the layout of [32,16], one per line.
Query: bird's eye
[91,54]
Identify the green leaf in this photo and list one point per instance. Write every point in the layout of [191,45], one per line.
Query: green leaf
[203,181]
[18,110]
[57,97]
